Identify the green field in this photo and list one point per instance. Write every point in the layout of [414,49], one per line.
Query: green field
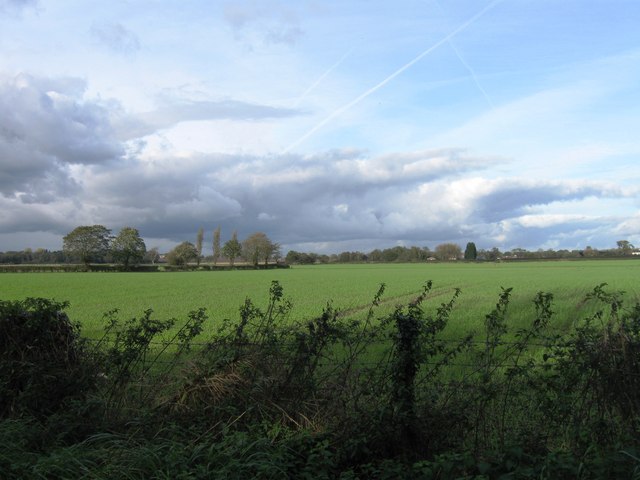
[410,397]
[349,287]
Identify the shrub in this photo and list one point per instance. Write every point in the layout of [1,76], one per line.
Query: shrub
[329,397]
[42,362]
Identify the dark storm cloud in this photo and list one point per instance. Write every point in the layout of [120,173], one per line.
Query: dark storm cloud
[16,216]
[45,127]
[336,195]
[321,201]
[56,145]
[115,37]
[165,198]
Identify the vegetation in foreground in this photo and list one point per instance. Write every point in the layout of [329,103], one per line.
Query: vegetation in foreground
[380,397]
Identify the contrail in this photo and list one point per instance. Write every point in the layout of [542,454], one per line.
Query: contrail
[466,65]
[375,88]
[472,72]
[317,82]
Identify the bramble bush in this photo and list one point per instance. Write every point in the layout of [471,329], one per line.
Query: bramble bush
[268,395]
[43,363]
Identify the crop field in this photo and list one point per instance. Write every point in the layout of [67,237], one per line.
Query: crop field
[350,288]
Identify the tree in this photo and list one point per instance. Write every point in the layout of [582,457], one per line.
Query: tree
[492,255]
[375,255]
[128,247]
[624,246]
[182,254]
[258,247]
[89,242]
[471,252]
[301,258]
[232,248]
[40,255]
[448,251]
[272,252]
[152,255]
[199,239]
[392,254]
[216,245]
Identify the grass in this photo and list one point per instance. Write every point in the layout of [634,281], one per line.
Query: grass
[277,406]
[349,287]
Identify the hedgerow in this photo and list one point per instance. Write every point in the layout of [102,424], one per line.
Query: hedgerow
[268,396]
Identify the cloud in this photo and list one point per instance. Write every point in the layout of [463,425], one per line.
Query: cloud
[46,128]
[294,197]
[336,199]
[136,126]
[551,220]
[16,6]
[115,37]
[630,227]
[494,200]
[263,22]
[62,164]
[338,172]
[16,216]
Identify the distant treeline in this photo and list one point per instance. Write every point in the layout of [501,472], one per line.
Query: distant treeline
[113,267]
[399,254]
[38,256]
[43,256]
[449,252]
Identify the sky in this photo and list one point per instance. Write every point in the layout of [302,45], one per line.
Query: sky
[329,125]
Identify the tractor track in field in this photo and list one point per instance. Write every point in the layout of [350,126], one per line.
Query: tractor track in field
[399,299]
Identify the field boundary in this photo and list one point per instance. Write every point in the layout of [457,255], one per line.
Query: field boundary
[72,268]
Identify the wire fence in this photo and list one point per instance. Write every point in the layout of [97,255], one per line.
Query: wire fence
[376,353]
[291,343]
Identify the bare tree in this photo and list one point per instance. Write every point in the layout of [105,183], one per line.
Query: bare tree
[448,251]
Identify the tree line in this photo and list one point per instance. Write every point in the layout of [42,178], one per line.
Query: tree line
[453,252]
[255,249]
[89,244]
[95,244]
